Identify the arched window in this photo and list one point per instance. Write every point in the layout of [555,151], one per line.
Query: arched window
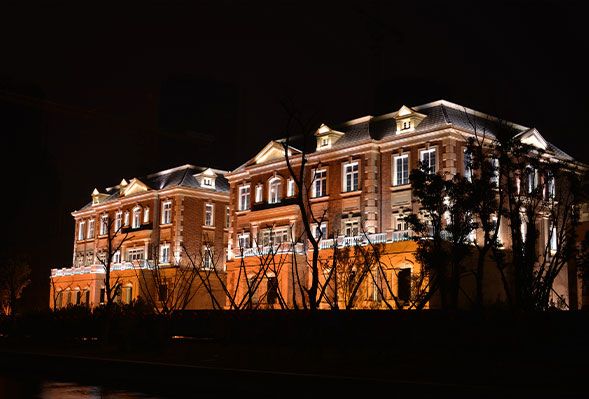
[274,191]
[404,283]
[136,217]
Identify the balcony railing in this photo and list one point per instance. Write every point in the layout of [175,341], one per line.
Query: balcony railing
[99,269]
[278,249]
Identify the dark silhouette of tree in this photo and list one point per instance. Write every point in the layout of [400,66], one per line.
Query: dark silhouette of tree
[14,277]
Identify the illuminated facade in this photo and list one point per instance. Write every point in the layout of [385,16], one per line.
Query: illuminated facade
[157,220]
[248,223]
[360,190]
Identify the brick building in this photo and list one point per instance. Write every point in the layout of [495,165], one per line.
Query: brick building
[159,219]
[360,193]
[247,227]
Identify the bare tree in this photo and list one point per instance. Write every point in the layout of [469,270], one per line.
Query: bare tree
[115,239]
[14,277]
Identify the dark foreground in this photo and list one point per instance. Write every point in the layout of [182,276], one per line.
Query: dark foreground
[287,355]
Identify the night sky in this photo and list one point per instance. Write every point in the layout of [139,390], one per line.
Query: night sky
[91,93]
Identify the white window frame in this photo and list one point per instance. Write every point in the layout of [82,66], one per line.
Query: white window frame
[531,183]
[550,188]
[315,229]
[404,171]
[134,254]
[259,193]
[242,239]
[207,181]
[136,217]
[227,217]
[81,230]
[422,155]
[400,224]
[553,240]
[274,190]
[349,225]
[290,188]
[167,212]
[207,261]
[319,183]
[126,218]
[90,229]
[118,221]
[146,215]
[165,254]
[209,215]
[104,225]
[116,257]
[244,197]
[466,161]
[346,173]
[495,177]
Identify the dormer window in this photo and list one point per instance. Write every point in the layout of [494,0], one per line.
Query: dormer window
[326,137]
[207,181]
[406,125]
[207,178]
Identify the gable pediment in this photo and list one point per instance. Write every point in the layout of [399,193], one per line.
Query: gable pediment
[135,186]
[272,151]
[534,138]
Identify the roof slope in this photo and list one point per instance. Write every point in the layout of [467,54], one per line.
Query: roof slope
[181,176]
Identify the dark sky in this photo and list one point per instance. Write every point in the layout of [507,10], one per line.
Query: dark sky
[90,94]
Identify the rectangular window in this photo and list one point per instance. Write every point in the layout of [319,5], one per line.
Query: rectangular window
[243,240]
[320,183]
[90,229]
[532,179]
[320,229]
[290,188]
[259,190]
[244,198]
[127,218]
[116,258]
[127,295]
[136,218]
[207,260]
[118,221]
[81,228]
[274,188]
[467,165]
[401,173]
[428,160]
[227,217]
[167,212]
[495,176]
[550,188]
[102,296]
[135,254]
[400,223]
[351,228]
[272,293]
[351,177]
[494,222]
[208,215]
[404,284]
[553,240]
[146,215]
[103,225]
[165,254]
[163,292]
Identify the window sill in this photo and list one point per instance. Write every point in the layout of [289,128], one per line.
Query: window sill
[351,193]
[204,226]
[166,224]
[401,187]
[242,212]
[319,199]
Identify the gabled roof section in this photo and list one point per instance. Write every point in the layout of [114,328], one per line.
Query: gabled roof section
[272,151]
[135,186]
[534,138]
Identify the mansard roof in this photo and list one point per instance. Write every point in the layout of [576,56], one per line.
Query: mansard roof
[438,115]
[181,176]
